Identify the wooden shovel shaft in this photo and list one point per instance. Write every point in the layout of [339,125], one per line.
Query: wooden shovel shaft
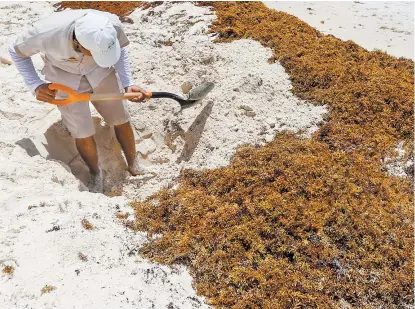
[114,96]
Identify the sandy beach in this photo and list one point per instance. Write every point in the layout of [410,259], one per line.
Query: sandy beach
[43,194]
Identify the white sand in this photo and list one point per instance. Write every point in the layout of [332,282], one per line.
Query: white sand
[42,203]
[383,25]
[43,199]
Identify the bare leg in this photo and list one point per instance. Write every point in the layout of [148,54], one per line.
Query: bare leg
[88,151]
[125,137]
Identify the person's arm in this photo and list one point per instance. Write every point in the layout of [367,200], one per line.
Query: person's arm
[38,87]
[122,67]
[27,44]
[25,66]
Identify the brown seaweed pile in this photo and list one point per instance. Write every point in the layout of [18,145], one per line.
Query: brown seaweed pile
[293,224]
[299,223]
[115,7]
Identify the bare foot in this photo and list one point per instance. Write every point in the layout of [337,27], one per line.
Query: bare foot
[138,169]
[96,182]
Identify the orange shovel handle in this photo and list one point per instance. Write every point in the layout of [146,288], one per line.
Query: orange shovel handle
[73,96]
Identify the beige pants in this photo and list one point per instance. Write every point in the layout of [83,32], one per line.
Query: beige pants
[77,116]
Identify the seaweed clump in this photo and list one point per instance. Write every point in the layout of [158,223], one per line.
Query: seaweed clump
[8,270]
[47,289]
[292,224]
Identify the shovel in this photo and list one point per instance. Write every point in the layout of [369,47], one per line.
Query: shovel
[193,96]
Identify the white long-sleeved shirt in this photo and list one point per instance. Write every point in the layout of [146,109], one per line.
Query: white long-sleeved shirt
[122,67]
[52,36]
[27,70]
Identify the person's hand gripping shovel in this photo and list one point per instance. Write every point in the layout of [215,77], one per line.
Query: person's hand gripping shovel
[192,97]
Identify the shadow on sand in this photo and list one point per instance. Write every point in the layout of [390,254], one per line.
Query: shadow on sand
[57,144]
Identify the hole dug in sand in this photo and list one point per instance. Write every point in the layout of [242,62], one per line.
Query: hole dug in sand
[57,144]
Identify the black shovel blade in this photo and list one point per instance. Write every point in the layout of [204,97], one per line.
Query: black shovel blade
[201,91]
[195,94]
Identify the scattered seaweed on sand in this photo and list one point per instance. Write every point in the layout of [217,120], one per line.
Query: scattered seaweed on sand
[122,215]
[82,257]
[87,225]
[8,270]
[47,289]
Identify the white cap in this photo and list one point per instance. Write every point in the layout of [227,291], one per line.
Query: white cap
[97,34]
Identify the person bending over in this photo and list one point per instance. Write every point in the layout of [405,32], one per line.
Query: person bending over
[84,50]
